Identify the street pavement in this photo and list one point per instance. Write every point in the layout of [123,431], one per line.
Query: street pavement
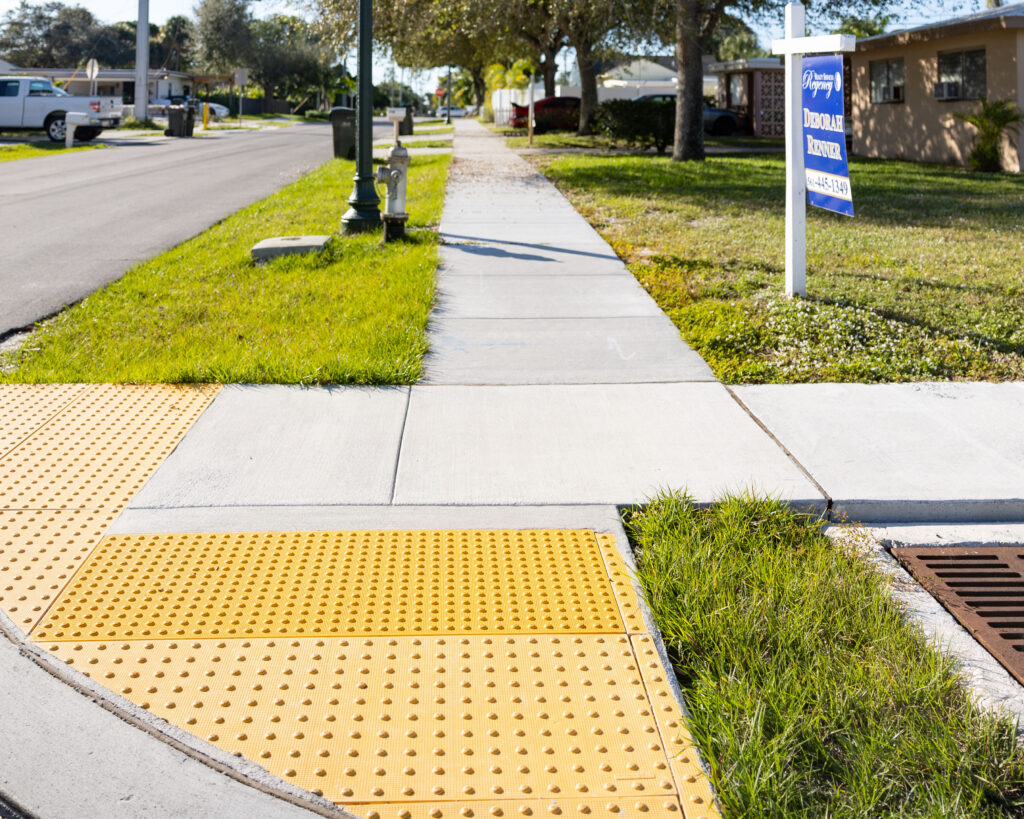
[555,392]
[74,222]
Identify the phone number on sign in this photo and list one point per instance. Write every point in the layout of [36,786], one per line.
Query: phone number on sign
[829,184]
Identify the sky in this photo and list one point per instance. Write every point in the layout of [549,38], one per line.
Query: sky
[110,11]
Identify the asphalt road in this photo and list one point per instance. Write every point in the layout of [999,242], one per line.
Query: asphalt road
[73,222]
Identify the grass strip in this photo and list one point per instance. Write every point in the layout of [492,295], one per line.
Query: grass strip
[924,284]
[809,694]
[9,153]
[203,312]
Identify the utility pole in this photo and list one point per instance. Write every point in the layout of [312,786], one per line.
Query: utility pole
[142,62]
[448,108]
[364,211]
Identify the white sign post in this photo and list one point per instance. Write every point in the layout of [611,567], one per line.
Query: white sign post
[794,46]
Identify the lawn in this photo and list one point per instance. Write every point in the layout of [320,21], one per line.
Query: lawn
[809,695]
[203,312]
[925,283]
[29,150]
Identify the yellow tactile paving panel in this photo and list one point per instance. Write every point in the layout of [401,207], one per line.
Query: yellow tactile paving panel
[435,719]
[694,789]
[338,583]
[40,550]
[98,450]
[26,407]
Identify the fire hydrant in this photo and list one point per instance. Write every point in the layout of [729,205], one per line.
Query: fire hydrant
[395,176]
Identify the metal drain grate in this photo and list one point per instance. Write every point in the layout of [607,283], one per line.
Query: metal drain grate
[983,587]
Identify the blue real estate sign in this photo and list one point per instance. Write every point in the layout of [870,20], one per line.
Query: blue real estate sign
[828,177]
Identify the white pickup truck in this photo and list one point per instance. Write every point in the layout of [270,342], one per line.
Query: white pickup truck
[35,103]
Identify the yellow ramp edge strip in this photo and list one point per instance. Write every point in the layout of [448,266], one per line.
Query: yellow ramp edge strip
[98,450]
[694,787]
[298,584]
[622,584]
[643,808]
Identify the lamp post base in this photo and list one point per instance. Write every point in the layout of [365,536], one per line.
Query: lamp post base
[364,208]
[358,220]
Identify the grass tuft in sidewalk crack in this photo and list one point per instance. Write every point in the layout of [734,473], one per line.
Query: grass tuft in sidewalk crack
[810,695]
[203,312]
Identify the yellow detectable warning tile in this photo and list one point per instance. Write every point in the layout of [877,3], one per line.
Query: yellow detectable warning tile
[26,407]
[588,808]
[101,447]
[39,553]
[694,788]
[622,583]
[433,720]
[337,583]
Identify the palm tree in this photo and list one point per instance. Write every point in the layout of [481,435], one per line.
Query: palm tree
[991,122]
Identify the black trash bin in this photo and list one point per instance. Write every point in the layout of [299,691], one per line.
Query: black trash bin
[405,126]
[343,123]
[175,121]
[190,121]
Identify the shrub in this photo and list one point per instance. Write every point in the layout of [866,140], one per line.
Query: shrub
[991,121]
[644,123]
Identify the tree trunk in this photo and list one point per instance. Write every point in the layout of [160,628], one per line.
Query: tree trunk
[588,83]
[549,66]
[689,136]
[479,88]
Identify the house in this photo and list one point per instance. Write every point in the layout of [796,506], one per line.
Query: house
[755,89]
[634,77]
[908,86]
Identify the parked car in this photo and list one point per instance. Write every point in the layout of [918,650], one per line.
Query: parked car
[717,121]
[218,110]
[35,103]
[456,111]
[549,114]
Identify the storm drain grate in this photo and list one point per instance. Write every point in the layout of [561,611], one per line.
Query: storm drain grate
[983,587]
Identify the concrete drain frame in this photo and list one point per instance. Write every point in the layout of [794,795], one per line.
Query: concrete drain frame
[982,587]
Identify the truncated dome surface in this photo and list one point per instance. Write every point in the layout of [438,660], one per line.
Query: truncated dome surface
[337,583]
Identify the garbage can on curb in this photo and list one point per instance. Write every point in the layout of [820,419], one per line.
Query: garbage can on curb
[190,121]
[405,126]
[175,121]
[343,124]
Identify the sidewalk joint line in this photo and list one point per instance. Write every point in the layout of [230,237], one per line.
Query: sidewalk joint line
[784,448]
[401,442]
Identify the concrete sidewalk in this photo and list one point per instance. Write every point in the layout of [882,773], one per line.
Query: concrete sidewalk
[553,378]
[278,568]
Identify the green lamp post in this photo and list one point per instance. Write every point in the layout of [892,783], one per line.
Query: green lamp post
[364,204]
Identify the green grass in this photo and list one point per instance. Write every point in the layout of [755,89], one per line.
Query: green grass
[925,283]
[809,695]
[423,128]
[129,123]
[203,312]
[8,153]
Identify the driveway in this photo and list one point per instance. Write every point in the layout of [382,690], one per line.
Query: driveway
[73,222]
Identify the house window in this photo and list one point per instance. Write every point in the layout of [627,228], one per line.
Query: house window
[887,81]
[961,75]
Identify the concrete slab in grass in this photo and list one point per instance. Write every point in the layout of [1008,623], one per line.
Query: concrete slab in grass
[469,256]
[904,452]
[278,445]
[593,444]
[559,351]
[267,249]
[542,296]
